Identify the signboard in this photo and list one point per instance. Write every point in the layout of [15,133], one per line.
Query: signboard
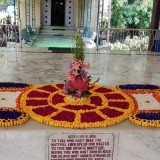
[98,146]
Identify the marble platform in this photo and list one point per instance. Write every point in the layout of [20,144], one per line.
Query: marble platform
[30,141]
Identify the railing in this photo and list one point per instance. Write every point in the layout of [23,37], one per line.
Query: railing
[9,35]
[131,39]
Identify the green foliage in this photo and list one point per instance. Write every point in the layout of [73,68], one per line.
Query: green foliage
[131,13]
[4,2]
[78,47]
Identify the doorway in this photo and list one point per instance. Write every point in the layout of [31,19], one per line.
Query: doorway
[57,12]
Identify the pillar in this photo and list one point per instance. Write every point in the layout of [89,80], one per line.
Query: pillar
[154,23]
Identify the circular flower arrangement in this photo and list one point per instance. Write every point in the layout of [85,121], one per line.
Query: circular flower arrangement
[147,102]
[12,117]
[105,106]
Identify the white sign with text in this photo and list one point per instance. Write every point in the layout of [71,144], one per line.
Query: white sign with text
[98,146]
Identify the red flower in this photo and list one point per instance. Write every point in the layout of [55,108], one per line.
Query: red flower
[79,84]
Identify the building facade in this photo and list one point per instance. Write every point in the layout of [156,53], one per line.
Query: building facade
[67,13]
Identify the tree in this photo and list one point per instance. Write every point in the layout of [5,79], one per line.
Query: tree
[4,2]
[131,13]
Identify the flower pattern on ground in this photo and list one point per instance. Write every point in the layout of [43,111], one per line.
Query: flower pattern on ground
[147,101]
[14,86]
[11,117]
[9,99]
[105,106]
[10,93]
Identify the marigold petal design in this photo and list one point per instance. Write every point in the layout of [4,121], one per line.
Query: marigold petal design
[114,96]
[147,103]
[97,101]
[91,117]
[122,105]
[35,94]
[48,88]
[103,90]
[79,107]
[44,111]
[104,107]
[36,102]
[11,117]
[112,113]
[64,116]
[146,119]
[60,86]
[57,98]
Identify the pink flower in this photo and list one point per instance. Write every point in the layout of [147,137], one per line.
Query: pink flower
[79,84]
[68,77]
[79,93]
[86,66]
[77,81]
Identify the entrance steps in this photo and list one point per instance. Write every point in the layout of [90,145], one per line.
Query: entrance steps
[57,31]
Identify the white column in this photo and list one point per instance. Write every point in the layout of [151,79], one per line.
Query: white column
[46,13]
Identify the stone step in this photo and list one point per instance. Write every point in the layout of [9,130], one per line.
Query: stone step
[57,33]
[57,28]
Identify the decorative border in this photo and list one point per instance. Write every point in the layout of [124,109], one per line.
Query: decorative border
[138,88]
[13,86]
[18,117]
[146,119]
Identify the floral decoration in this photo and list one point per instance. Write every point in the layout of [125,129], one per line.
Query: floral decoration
[14,86]
[11,92]
[10,98]
[147,104]
[11,117]
[146,119]
[137,87]
[105,106]
[77,80]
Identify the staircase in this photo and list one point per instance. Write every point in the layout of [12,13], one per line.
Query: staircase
[57,31]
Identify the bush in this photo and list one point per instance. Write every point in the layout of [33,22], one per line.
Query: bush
[135,44]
